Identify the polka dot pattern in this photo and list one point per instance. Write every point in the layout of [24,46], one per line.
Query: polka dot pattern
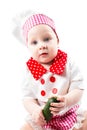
[57,67]
[59,63]
[36,69]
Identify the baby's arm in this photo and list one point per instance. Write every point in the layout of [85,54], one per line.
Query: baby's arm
[35,110]
[73,96]
[68,100]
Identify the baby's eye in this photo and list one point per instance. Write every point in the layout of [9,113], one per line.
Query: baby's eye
[46,39]
[34,42]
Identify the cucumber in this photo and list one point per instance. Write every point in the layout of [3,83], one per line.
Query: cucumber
[46,111]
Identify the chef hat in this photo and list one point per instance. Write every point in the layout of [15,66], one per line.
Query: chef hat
[34,20]
[28,20]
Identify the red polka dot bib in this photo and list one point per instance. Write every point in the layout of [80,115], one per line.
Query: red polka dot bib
[58,66]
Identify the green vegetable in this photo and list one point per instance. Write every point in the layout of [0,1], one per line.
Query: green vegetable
[46,111]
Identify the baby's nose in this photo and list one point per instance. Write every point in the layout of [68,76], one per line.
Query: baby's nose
[43,46]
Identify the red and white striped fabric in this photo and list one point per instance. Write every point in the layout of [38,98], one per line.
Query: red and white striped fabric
[37,19]
[65,121]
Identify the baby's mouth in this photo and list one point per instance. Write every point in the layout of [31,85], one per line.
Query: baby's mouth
[44,54]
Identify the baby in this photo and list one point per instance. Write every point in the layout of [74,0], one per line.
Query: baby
[50,72]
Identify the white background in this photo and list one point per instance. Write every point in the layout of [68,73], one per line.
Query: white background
[70,17]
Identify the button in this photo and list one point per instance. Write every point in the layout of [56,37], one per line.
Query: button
[54,90]
[43,93]
[52,79]
[42,81]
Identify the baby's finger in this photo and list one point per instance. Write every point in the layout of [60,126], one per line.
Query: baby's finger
[55,109]
[61,104]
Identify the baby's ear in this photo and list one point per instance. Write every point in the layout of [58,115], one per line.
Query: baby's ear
[58,40]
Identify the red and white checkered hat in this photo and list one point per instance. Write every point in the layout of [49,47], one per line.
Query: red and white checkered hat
[34,20]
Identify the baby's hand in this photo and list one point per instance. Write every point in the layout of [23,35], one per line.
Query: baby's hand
[38,117]
[57,107]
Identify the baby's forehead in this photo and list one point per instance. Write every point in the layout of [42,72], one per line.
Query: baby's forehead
[41,29]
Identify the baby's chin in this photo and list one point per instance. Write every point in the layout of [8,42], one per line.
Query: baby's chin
[46,62]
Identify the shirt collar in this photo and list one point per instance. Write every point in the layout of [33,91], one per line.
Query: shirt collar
[58,66]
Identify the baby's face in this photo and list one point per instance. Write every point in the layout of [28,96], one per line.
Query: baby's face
[43,43]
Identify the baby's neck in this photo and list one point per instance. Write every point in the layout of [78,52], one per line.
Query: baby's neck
[47,65]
